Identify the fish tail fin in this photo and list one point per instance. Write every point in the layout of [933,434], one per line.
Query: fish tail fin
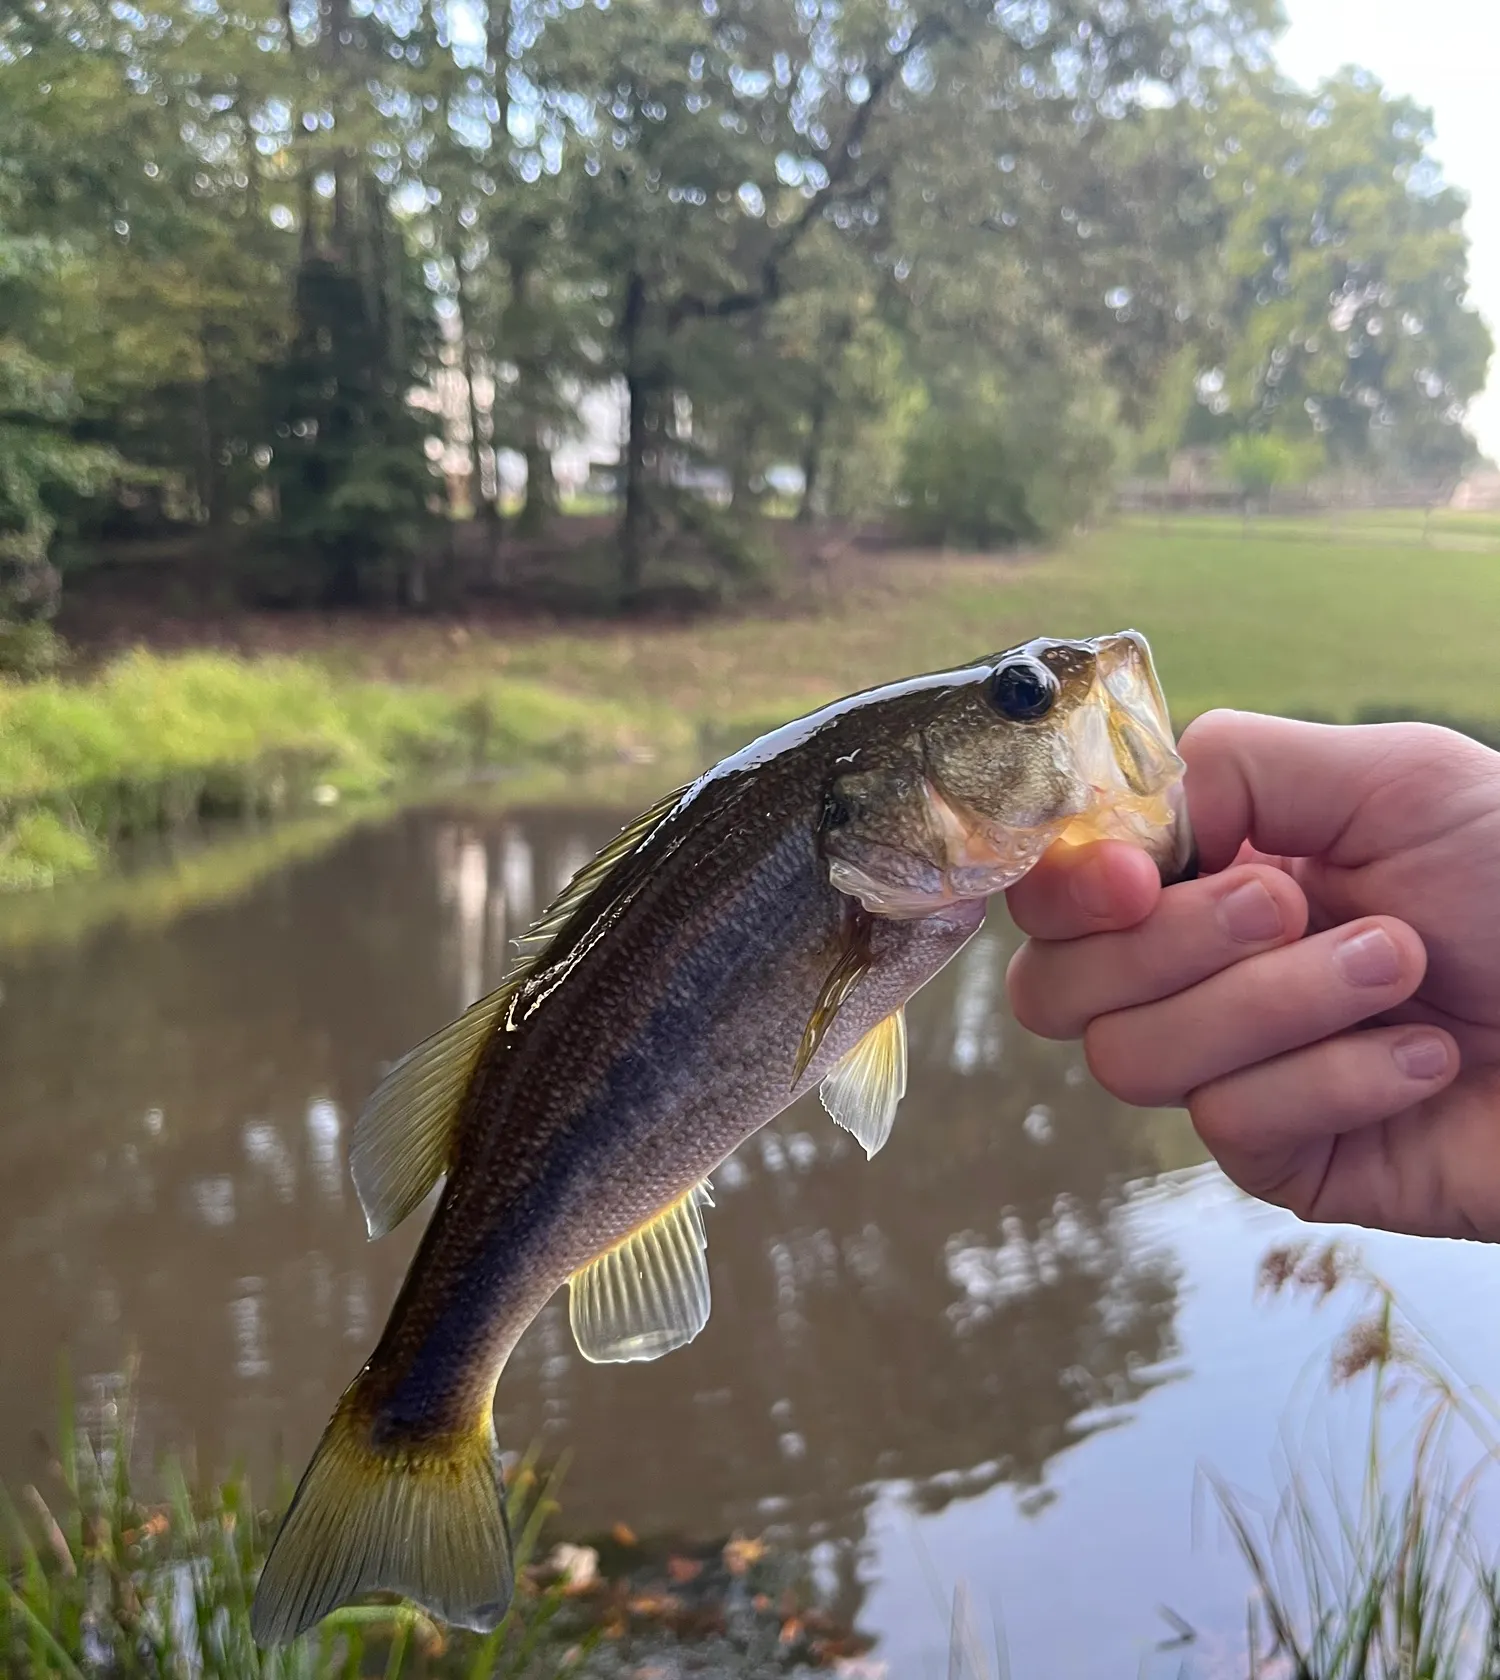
[424,1518]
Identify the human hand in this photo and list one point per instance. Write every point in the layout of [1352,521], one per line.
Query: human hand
[1326,1003]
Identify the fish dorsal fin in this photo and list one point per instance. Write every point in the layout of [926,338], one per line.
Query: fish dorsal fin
[648,1294]
[864,1088]
[534,942]
[403,1138]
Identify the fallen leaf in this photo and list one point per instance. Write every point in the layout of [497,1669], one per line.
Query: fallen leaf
[652,1604]
[683,1569]
[577,1565]
[740,1553]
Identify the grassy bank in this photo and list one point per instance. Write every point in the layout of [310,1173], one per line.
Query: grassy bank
[99,1577]
[1316,618]
[153,743]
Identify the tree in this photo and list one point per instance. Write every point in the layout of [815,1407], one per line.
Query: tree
[1260,462]
[1343,313]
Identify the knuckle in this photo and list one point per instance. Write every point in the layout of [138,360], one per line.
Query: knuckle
[1217,1117]
[1207,729]
[1034,1006]
[1109,1049]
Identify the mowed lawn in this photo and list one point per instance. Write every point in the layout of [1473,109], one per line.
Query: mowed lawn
[1302,618]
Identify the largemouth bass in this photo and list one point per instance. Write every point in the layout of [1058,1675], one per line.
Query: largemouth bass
[751,936]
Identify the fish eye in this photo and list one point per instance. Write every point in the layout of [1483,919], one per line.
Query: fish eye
[1023,690]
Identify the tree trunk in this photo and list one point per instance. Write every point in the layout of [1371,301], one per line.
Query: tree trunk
[497,49]
[213,492]
[741,496]
[533,400]
[812,458]
[484,508]
[635,518]
[541,487]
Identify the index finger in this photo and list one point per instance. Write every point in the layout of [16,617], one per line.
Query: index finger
[1077,890]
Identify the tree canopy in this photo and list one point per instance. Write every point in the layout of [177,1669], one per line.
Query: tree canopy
[267,266]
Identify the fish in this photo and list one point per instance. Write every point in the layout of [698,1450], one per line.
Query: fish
[752,936]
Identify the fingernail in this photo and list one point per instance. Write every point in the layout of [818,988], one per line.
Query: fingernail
[1368,959]
[1250,914]
[1090,888]
[1421,1055]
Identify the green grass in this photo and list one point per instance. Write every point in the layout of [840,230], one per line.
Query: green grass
[150,743]
[1340,618]
[102,1580]
[1387,1574]
[204,871]
[1292,618]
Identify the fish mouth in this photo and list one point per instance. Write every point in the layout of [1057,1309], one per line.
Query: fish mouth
[1117,749]
[1120,752]
[1125,753]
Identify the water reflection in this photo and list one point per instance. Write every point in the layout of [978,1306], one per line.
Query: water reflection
[172,1180]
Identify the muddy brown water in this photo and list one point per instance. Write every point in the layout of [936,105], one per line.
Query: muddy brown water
[999,1356]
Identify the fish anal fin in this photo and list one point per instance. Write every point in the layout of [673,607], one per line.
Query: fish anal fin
[648,1294]
[403,1136]
[865,1086]
[426,1520]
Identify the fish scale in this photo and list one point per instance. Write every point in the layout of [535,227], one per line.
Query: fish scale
[743,941]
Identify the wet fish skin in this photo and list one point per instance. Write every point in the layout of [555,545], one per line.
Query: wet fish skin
[763,927]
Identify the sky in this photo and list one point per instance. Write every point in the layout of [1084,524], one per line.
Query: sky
[1446,55]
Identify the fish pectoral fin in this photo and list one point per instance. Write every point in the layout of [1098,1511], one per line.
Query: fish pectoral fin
[403,1136]
[853,964]
[865,1086]
[648,1294]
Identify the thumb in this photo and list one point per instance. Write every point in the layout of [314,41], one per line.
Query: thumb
[1291,789]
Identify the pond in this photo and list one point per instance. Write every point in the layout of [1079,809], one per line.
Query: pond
[1000,1356]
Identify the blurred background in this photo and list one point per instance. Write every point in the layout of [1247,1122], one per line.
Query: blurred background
[431,429]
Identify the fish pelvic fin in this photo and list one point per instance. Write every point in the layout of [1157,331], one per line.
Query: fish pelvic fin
[425,1519]
[865,1087]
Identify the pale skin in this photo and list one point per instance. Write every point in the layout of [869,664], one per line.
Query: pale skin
[1325,999]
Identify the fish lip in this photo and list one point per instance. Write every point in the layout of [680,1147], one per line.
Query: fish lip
[1126,751]
[1183,863]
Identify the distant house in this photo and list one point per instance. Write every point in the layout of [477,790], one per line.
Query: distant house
[1479,492]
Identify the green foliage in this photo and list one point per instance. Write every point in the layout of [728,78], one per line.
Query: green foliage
[39,848]
[1260,462]
[989,471]
[288,247]
[1336,310]
[39,460]
[108,1581]
[151,743]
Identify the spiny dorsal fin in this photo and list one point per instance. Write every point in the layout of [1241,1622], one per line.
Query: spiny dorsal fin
[533,943]
[403,1137]
[648,1294]
[864,1088]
